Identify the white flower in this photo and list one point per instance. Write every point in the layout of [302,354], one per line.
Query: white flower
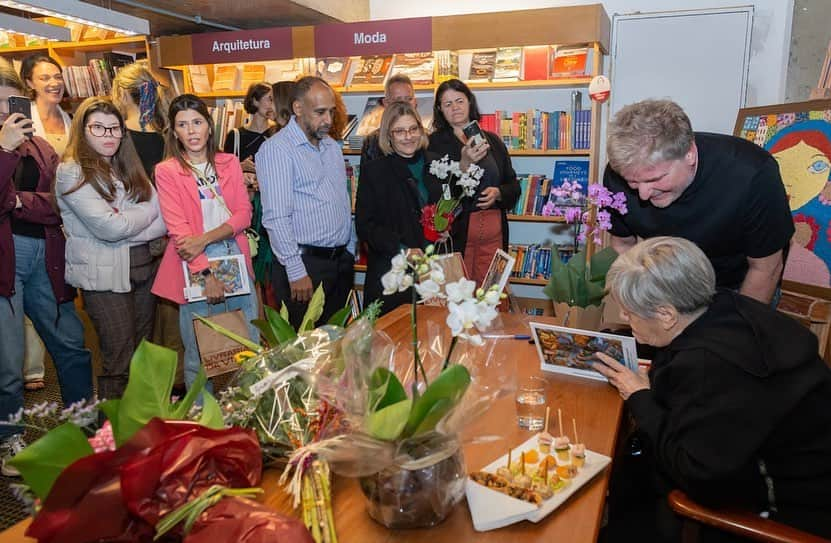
[461,316]
[390,282]
[437,273]
[399,262]
[406,282]
[428,290]
[485,315]
[460,291]
[454,168]
[492,296]
[475,171]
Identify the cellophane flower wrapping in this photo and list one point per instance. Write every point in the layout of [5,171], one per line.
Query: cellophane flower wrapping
[412,481]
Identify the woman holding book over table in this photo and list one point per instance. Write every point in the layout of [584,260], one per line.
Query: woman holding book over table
[206,208]
[735,410]
[110,213]
[244,142]
[393,190]
[482,225]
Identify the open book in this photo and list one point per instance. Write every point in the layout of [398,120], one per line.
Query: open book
[572,351]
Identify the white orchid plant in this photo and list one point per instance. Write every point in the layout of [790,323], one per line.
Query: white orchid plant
[393,415]
[437,218]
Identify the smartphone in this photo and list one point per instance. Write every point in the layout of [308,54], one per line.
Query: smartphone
[473,133]
[20,104]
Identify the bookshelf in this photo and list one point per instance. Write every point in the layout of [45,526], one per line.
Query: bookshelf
[588,25]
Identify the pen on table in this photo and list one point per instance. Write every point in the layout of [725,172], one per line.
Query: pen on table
[506,336]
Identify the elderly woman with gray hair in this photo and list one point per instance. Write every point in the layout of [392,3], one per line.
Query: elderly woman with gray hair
[736,408]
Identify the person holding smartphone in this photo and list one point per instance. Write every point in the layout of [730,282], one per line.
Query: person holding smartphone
[206,208]
[482,226]
[32,270]
[43,77]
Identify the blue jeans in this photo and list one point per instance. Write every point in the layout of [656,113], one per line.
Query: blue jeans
[246,302]
[58,326]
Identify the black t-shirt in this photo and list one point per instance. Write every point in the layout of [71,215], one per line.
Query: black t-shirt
[249,142]
[150,149]
[26,177]
[735,207]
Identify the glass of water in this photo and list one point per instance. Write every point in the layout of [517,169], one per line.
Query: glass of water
[530,403]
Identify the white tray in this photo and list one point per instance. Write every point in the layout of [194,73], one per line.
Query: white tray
[490,509]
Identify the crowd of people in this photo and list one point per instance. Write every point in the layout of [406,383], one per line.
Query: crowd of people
[116,201]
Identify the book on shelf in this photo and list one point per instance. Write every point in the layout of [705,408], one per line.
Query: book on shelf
[535,63]
[482,65]
[371,70]
[351,123]
[419,67]
[95,33]
[370,120]
[464,62]
[177,81]
[447,65]
[571,171]
[424,106]
[251,73]
[571,61]
[226,78]
[353,173]
[225,116]
[508,64]
[333,70]
[199,81]
[286,70]
[536,130]
[531,261]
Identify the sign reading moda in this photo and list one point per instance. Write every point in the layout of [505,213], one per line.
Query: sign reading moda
[242,46]
[374,37]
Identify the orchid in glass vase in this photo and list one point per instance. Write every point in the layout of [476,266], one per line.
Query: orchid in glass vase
[581,282]
[437,218]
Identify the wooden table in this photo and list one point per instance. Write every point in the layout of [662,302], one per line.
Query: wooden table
[595,405]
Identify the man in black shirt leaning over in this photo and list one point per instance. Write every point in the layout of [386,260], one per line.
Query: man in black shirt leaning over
[721,192]
[398,88]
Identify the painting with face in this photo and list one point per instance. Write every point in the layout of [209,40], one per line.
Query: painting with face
[799,138]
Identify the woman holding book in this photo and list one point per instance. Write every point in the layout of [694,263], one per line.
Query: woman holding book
[206,208]
[735,410]
[110,214]
[44,82]
[482,224]
[393,191]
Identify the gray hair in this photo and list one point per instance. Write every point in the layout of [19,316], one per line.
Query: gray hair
[397,78]
[662,271]
[647,133]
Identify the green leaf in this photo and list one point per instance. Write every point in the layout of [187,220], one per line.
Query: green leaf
[256,347]
[341,317]
[436,413]
[265,330]
[386,424]
[181,408]
[384,389]
[314,310]
[211,412]
[284,312]
[110,409]
[280,326]
[42,462]
[450,384]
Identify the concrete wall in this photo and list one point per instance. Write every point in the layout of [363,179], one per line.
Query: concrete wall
[809,41]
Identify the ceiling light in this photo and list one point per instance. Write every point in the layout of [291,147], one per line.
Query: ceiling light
[81,12]
[10,23]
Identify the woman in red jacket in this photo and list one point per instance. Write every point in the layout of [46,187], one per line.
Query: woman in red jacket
[32,270]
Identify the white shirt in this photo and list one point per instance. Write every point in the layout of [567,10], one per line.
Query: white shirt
[214,210]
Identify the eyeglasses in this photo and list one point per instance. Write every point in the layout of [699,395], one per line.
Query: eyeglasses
[99,130]
[404,132]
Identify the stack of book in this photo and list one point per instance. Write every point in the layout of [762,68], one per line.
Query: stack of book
[540,130]
[532,261]
[535,189]
[226,115]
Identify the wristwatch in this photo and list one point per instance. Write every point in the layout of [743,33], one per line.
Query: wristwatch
[206,272]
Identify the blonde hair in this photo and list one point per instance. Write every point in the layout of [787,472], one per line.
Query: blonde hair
[8,77]
[662,271]
[392,113]
[98,172]
[137,81]
[647,133]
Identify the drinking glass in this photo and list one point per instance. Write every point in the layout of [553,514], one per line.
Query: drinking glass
[530,403]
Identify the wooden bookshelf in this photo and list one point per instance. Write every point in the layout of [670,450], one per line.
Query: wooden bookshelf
[139,42]
[513,152]
[535,218]
[360,268]
[526,281]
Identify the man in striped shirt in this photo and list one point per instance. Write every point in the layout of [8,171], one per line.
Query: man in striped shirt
[306,206]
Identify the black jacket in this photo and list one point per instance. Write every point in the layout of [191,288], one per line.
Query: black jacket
[446,143]
[388,218]
[741,386]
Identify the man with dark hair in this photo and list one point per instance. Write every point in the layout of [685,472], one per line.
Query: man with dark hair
[306,208]
[723,193]
[398,88]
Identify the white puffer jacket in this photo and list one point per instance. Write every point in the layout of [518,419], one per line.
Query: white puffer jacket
[99,234]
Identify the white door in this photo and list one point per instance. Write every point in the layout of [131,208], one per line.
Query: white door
[698,58]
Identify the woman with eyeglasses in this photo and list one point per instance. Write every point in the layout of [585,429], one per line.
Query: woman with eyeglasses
[482,226]
[32,269]
[393,190]
[206,208]
[44,82]
[110,213]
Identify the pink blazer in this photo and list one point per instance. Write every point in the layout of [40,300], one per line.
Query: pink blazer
[182,213]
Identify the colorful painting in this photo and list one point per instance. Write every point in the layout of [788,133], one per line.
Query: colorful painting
[799,137]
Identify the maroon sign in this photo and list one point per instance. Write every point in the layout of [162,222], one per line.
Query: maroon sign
[374,37]
[242,45]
